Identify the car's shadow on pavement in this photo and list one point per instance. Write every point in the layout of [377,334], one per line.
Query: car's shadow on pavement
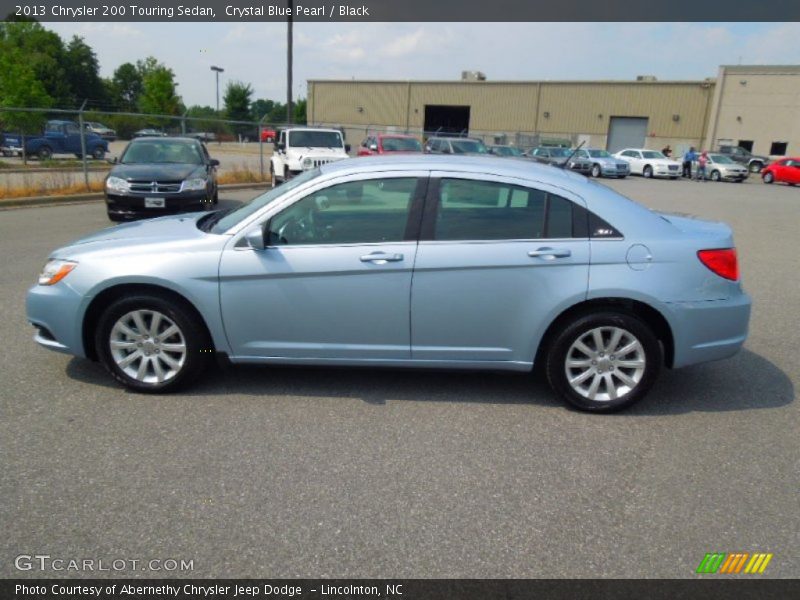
[747,381]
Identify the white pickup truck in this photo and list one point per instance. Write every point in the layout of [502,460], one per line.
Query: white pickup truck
[301,149]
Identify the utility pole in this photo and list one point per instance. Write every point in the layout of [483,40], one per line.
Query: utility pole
[289,20]
[217,70]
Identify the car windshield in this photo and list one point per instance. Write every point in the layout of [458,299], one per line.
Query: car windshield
[652,154]
[722,159]
[401,144]
[257,203]
[315,139]
[162,151]
[560,152]
[597,154]
[507,151]
[464,146]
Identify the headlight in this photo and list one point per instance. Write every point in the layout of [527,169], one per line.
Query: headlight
[55,270]
[194,184]
[115,184]
[307,162]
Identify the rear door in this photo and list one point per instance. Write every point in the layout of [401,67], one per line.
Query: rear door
[498,258]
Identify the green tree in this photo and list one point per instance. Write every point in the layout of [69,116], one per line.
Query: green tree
[43,51]
[19,87]
[127,84]
[237,103]
[83,72]
[159,95]
[299,112]
[261,107]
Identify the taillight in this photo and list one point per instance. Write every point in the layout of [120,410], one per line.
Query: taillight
[722,261]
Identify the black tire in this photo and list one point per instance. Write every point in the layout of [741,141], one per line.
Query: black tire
[44,153]
[113,217]
[715,175]
[647,171]
[198,350]
[755,167]
[582,325]
[98,153]
[596,171]
[78,156]
[215,198]
[768,177]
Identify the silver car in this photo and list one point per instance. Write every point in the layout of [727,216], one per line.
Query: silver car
[405,261]
[604,164]
[721,167]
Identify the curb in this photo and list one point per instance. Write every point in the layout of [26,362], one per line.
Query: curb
[32,201]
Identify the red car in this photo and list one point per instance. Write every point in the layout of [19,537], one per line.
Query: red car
[267,135]
[389,143]
[786,170]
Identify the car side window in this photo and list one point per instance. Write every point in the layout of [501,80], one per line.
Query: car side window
[356,212]
[486,210]
[71,129]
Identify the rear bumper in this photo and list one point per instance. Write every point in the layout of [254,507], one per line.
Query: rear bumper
[711,330]
[132,206]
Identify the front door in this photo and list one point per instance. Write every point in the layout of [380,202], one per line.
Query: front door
[335,280]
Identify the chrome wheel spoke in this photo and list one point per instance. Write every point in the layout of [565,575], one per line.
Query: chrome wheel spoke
[582,377]
[630,347]
[631,364]
[142,370]
[123,344]
[154,324]
[171,362]
[169,332]
[628,381]
[592,391]
[129,359]
[615,339]
[139,322]
[158,369]
[597,336]
[579,363]
[173,347]
[611,389]
[583,348]
[125,329]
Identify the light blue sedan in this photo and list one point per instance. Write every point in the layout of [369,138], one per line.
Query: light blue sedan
[407,261]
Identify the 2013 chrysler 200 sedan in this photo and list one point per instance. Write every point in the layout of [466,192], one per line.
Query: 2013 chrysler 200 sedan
[407,261]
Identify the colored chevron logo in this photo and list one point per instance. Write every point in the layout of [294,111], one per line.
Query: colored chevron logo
[734,563]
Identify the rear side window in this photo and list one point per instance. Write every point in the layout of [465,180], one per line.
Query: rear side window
[485,210]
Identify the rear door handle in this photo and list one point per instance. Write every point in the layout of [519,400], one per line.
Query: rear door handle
[381,258]
[550,253]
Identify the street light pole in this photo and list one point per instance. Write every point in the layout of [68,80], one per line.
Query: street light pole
[289,19]
[217,70]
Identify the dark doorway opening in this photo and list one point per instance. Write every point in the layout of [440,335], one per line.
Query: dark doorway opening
[746,144]
[446,120]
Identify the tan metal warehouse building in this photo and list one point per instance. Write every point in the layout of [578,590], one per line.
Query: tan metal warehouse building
[606,114]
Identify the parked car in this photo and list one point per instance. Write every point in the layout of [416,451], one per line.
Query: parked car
[503,150]
[149,132]
[741,155]
[455,145]
[649,163]
[203,136]
[720,167]
[104,132]
[301,149]
[604,164]
[389,143]
[349,265]
[268,135]
[60,137]
[158,176]
[558,156]
[785,170]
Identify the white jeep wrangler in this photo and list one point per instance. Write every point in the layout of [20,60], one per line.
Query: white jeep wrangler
[301,149]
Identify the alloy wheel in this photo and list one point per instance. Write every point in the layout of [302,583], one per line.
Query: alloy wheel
[605,363]
[147,346]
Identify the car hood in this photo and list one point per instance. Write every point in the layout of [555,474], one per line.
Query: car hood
[169,229]
[606,160]
[157,171]
[303,151]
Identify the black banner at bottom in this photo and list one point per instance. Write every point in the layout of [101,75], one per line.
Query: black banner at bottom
[396,589]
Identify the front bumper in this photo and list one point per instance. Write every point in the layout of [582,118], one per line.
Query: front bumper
[609,170]
[132,206]
[709,330]
[55,312]
[663,171]
[728,176]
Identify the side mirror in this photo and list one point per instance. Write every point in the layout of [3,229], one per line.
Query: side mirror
[347,147]
[214,162]
[255,238]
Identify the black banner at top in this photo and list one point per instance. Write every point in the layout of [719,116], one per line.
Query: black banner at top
[399,10]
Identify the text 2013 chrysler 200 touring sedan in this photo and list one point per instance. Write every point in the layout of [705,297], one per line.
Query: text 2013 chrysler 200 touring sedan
[408,261]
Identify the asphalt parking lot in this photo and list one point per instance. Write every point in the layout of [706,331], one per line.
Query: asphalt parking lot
[284,472]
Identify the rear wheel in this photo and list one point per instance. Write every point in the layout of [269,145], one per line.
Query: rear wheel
[768,177]
[715,175]
[98,153]
[648,171]
[755,167]
[604,362]
[44,153]
[150,343]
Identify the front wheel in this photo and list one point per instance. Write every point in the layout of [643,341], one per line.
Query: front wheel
[150,343]
[603,362]
[648,171]
[98,153]
[596,171]
[715,175]
[44,153]
[768,177]
[755,167]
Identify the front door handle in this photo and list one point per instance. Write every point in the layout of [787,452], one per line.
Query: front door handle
[550,253]
[381,258]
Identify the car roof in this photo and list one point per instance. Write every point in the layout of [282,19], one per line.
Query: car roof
[169,138]
[395,135]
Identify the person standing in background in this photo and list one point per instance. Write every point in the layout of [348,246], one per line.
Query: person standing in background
[702,160]
[667,151]
[688,159]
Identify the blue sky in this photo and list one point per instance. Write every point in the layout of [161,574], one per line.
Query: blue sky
[256,52]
